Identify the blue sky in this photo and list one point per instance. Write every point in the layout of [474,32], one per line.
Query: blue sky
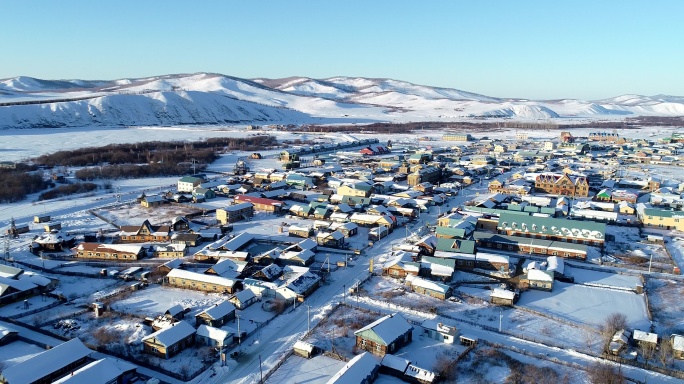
[530,49]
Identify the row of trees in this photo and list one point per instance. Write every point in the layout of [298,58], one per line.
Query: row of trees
[131,171]
[15,185]
[154,152]
[68,189]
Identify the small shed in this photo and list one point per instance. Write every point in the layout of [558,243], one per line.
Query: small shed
[176,312]
[468,340]
[502,296]
[98,308]
[304,349]
[677,346]
[243,299]
[642,338]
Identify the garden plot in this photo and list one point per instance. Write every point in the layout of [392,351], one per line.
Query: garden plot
[587,305]
[135,214]
[81,222]
[28,304]
[123,334]
[475,308]
[603,279]
[628,249]
[491,365]
[155,300]
[667,306]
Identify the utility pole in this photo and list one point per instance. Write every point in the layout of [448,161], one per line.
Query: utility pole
[649,263]
[500,319]
[308,318]
[261,371]
[239,333]
[344,293]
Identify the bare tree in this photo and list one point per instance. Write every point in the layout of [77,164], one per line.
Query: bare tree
[603,373]
[446,367]
[647,351]
[613,323]
[666,353]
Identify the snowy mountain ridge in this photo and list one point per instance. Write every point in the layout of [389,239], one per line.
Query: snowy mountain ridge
[208,98]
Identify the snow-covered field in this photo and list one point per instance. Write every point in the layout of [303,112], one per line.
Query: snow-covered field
[155,300]
[588,305]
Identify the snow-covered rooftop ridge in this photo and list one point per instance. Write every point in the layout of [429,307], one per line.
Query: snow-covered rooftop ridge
[388,327]
[45,363]
[357,370]
[171,335]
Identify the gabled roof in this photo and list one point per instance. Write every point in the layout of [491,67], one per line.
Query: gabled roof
[212,333]
[428,284]
[357,370]
[244,296]
[455,245]
[175,310]
[173,334]
[219,310]
[98,372]
[47,362]
[386,329]
[194,276]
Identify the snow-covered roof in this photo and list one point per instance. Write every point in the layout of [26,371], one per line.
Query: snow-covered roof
[219,310]
[420,374]
[678,342]
[244,296]
[175,263]
[95,247]
[538,275]
[388,328]
[303,346]
[224,266]
[183,274]
[307,244]
[212,332]
[428,284]
[47,362]
[502,294]
[395,362]
[169,247]
[555,264]
[173,334]
[19,285]
[356,370]
[645,336]
[101,371]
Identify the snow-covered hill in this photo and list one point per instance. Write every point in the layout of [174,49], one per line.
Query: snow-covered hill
[207,98]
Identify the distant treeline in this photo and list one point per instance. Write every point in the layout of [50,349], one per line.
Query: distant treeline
[15,184]
[65,190]
[475,127]
[132,171]
[154,152]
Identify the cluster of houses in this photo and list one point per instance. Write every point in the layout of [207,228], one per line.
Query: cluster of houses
[173,333]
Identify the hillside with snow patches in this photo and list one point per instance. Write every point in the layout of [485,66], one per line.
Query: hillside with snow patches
[206,98]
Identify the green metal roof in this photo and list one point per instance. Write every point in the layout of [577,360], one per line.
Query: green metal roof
[455,245]
[545,225]
[450,232]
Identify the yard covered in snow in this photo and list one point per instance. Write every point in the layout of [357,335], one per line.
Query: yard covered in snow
[587,305]
[317,370]
[603,279]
